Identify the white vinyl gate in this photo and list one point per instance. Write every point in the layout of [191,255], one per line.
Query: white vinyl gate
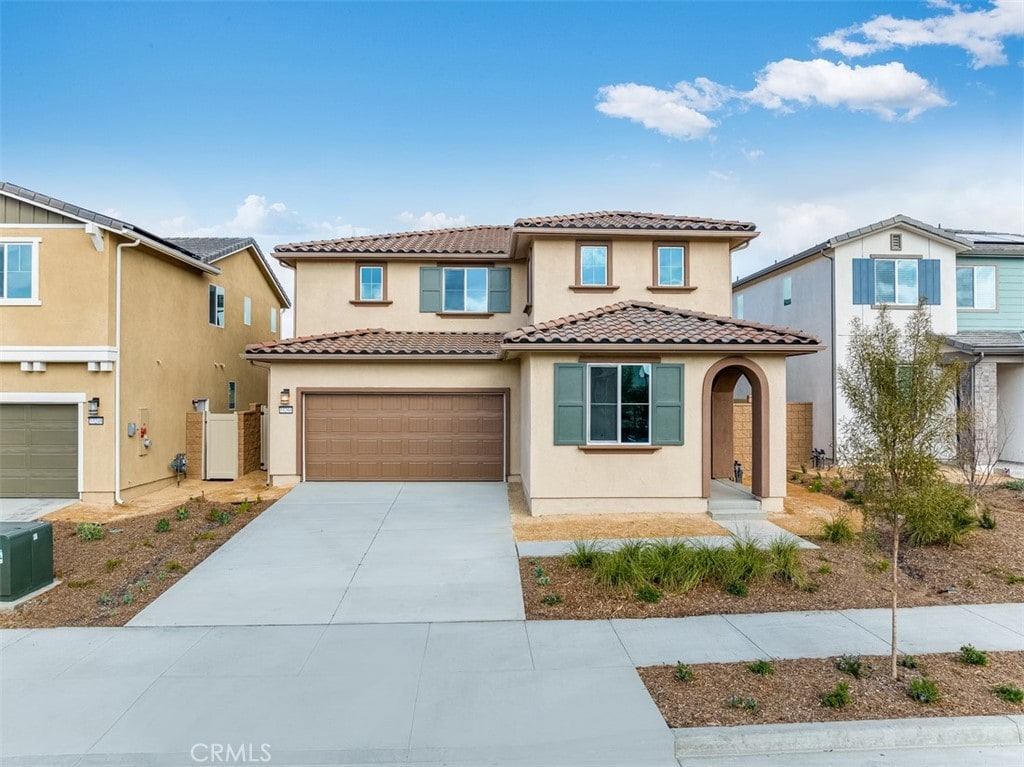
[221,446]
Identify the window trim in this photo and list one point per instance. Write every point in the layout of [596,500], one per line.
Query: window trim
[656,285]
[33,299]
[246,310]
[917,280]
[214,312]
[359,300]
[975,309]
[578,284]
[445,311]
[617,443]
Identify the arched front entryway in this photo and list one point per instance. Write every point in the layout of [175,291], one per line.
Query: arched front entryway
[718,453]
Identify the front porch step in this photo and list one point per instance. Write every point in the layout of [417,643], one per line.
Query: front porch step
[730,501]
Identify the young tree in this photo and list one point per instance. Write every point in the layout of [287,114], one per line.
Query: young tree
[901,397]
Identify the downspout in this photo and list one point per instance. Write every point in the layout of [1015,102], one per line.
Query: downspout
[117,375]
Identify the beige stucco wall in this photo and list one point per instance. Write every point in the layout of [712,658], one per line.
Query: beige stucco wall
[324,290]
[632,271]
[564,479]
[283,462]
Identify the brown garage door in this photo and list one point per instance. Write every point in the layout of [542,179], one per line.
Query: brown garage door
[425,436]
[38,451]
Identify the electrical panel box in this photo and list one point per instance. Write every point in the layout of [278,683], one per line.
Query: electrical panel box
[26,558]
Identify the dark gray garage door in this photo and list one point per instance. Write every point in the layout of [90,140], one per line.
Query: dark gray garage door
[38,451]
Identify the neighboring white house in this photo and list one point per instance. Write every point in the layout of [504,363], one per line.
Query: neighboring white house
[972,283]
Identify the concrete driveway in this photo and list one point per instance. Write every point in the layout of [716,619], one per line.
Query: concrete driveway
[356,552]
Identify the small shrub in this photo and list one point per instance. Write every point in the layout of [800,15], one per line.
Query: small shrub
[794,477]
[142,585]
[244,506]
[838,530]
[737,589]
[971,656]
[850,664]
[923,691]
[1009,693]
[113,564]
[880,565]
[147,543]
[835,484]
[551,599]
[816,485]
[908,661]
[181,513]
[127,599]
[746,561]
[1012,580]
[89,531]
[538,572]
[683,672]
[784,559]
[803,468]
[968,584]
[940,514]
[206,535]
[839,697]
[584,554]
[669,564]
[161,576]
[761,668]
[81,584]
[987,520]
[1013,484]
[622,567]
[738,701]
[648,594]
[259,499]
[544,580]
[825,569]
[163,525]
[173,565]
[223,517]
[105,599]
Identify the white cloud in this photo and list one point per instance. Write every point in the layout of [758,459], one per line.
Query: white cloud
[432,220]
[980,33]
[752,154]
[888,90]
[800,225]
[258,218]
[671,113]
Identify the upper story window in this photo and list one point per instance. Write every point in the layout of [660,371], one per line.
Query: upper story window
[619,404]
[976,287]
[465,289]
[247,310]
[671,265]
[217,306]
[787,291]
[371,282]
[273,319]
[232,395]
[739,306]
[19,271]
[593,268]
[896,281]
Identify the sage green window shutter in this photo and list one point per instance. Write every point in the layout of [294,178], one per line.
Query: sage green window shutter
[667,404]
[430,288]
[499,289]
[570,403]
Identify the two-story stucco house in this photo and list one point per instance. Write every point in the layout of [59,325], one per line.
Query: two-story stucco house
[971,282]
[588,356]
[109,335]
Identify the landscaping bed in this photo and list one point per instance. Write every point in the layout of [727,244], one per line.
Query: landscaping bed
[729,694]
[985,568]
[106,582]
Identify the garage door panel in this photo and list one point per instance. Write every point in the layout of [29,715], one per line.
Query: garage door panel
[38,451]
[413,436]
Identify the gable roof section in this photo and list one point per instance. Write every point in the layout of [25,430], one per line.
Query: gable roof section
[621,219]
[212,249]
[376,342]
[927,230]
[1001,244]
[644,323]
[468,240]
[989,342]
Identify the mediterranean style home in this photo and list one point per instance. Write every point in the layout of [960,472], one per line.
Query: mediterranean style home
[109,335]
[591,357]
[972,283]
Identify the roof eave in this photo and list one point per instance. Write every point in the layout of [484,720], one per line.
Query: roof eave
[735,238]
[376,357]
[786,349]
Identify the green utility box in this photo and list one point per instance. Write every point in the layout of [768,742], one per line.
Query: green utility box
[26,558]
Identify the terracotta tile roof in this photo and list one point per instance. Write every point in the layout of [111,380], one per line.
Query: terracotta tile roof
[484,240]
[619,219]
[640,322]
[377,341]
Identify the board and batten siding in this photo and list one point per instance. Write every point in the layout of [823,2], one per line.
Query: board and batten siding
[1009,314]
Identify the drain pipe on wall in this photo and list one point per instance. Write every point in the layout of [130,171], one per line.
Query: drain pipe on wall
[117,376]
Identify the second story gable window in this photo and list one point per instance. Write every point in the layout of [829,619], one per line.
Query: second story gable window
[217,306]
[19,272]
[671,266]
[787,291]
[976,287]
[465,290]
[371,282]
[896,281]
[273,319]
[593,264]
[247,310]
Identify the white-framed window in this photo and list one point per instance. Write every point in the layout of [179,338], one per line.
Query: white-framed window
[371,283]
[593,264]
[619,404]
[247,310]
[976,287]
[19,270]
[465,289]
[232,395]
[896,281]
[217,306]
[273,319]
[739,306]
[671,265]
[787,291]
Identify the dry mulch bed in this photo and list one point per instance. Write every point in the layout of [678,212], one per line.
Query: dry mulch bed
[793,692]
[107,582]
[986,568]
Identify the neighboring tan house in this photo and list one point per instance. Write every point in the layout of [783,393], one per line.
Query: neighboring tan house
[109,335]
[590,356]
[971,282]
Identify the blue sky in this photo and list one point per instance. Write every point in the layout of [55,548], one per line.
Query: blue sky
[294,121]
